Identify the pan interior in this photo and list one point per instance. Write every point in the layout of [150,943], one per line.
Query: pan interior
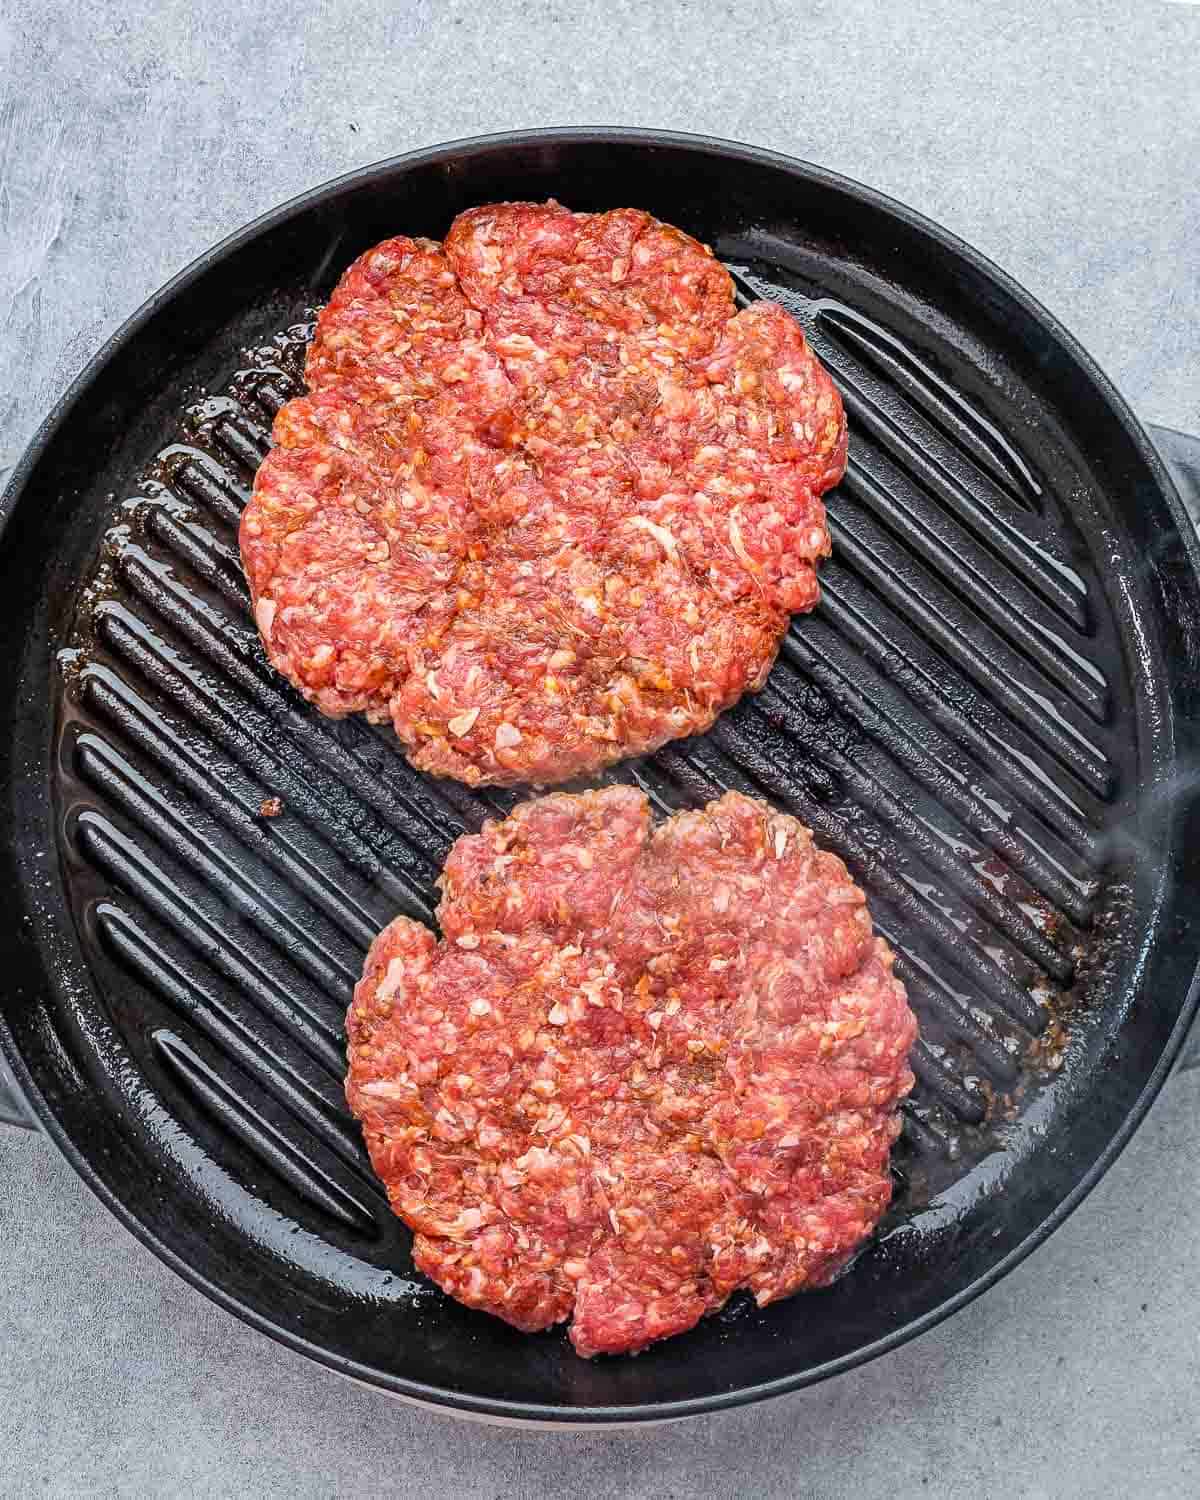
[974,718]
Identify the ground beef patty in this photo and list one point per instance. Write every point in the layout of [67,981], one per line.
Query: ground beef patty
[641,1070]
[550,500]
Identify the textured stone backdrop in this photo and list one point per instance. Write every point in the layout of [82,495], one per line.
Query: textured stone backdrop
[1063,139]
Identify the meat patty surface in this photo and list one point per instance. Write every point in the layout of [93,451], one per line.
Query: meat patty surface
[642,1068]
[550,499]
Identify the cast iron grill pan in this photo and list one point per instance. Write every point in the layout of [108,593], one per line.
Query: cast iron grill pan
[975,718]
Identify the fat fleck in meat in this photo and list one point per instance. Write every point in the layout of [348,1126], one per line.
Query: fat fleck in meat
[550,499]
[641,1070]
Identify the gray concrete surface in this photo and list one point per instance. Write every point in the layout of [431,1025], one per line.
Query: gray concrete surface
[1063,140]
[1076,1377]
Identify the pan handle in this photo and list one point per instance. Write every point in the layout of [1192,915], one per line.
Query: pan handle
[12,1107]
[1181,454]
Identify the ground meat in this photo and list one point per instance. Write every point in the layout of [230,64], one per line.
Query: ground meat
[550,500]
[640,1071]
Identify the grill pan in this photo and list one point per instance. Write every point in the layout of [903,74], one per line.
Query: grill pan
[992,717]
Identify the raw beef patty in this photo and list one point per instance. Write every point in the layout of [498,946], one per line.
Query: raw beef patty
[642,1068]
[550,500]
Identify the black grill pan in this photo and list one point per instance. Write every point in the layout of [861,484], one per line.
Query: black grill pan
[991,716]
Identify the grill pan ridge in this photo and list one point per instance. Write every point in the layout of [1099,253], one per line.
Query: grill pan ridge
[971,719]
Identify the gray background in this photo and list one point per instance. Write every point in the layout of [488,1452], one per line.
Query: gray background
[1064,141]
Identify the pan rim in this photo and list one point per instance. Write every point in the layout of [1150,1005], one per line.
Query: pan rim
[545,1415]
